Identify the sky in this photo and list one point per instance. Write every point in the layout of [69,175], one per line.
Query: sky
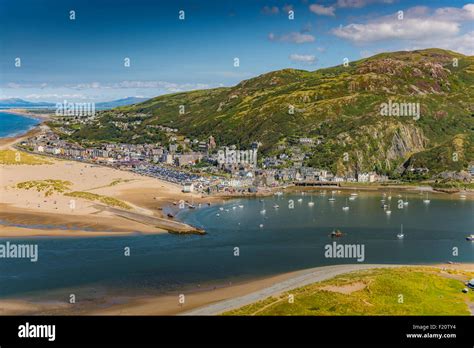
[83,58]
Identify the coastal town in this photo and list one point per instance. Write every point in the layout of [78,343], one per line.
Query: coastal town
[196,165]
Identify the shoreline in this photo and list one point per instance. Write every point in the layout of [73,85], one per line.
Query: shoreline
[27,113]
[211,299]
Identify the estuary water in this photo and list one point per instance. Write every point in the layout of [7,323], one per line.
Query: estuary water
[280,240]
[13,124]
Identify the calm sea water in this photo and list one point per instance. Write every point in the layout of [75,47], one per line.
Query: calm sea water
[12,124]
[290,239]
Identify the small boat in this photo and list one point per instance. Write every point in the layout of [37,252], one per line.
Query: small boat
[354,194]
[221,208]
[209,204]
[388,212]
[276,206]
[170,215]
[175,203]
[336,233]
[346,207]
[234,207]
[332,199]
[405,202]
[241,206]
[382,200]
[470,238]
[401,235]
[300,200]
[190,206]
[218,214]
[462,196]
[426,200]
[384,206]
[278,193]
[311,203]
[263,211]
[352,198]
[261,225]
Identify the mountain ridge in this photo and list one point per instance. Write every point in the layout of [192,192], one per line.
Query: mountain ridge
[339,105]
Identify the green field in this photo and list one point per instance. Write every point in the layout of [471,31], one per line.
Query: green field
[400,291]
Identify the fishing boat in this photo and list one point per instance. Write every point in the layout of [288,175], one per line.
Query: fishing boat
[401,235]
[336,233]
[470,238]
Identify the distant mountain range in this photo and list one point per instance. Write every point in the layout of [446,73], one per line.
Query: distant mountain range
[20,103]
[340,108]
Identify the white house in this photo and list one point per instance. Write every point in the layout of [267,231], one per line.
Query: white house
[188,187]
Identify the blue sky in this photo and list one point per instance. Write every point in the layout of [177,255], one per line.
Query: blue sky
[83,59]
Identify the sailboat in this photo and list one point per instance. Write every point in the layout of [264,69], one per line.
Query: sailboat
[311,203]
[332,199]
[426,200]
[401,235]
[346,207]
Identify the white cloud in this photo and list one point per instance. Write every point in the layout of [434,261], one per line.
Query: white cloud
[294,37]
[463,44]
[303,58]
[407,29]
[360,3]
[322,10]
[270,10]
[421,27]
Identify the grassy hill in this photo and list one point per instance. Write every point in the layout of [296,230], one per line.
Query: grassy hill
[340,105]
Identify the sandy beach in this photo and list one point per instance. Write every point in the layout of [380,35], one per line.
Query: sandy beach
[208,300]
[22,207]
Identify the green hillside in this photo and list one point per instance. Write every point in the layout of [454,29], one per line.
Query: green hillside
[339,105]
